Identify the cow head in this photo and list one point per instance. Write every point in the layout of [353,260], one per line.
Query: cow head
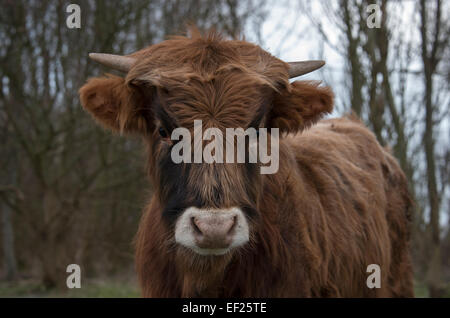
[207,208]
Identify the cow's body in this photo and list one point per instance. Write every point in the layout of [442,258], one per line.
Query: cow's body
[338,204]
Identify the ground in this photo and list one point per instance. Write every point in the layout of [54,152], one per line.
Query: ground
[113,288]
[90,288]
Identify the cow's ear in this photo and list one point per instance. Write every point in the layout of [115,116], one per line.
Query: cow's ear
[115,104]
[299,106]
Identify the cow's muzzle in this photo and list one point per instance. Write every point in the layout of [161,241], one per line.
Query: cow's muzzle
[211,231]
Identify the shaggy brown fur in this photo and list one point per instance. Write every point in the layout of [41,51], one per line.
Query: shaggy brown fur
[338,203]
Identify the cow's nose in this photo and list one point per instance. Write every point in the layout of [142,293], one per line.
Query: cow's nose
[214,231]
[211,231]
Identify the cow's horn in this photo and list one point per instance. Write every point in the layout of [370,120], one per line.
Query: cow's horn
[117,62]
[303,67]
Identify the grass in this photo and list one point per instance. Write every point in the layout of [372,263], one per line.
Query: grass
[89,289]
[104,290]
[119,288]
[420,290]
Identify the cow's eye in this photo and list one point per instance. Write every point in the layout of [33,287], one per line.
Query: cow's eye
[162,132]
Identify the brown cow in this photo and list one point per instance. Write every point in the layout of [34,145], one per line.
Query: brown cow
[338,203]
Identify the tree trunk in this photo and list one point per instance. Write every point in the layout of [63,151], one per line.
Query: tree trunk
[9,255]
[429,65]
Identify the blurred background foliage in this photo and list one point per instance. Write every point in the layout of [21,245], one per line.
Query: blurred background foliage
[73,193]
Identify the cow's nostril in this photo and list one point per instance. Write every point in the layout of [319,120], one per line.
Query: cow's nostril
[195,227]
[233,226]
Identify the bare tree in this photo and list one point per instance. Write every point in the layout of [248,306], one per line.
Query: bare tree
[434,31]
[81,187]
[385,90]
